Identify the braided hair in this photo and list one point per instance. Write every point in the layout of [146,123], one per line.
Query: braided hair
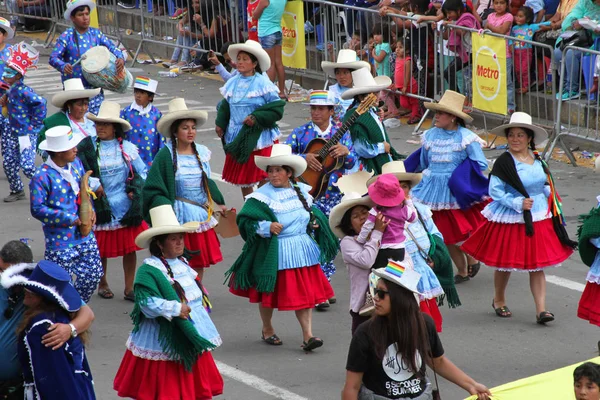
[298,191]
[156,251]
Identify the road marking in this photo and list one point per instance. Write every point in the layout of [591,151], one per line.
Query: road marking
[566,283]
[257,383]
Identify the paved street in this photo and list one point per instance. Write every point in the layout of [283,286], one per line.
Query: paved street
[490,349]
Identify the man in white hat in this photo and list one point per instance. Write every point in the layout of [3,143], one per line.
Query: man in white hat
[54,193]
[75,41]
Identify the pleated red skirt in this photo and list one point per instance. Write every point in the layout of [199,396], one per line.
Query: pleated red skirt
[457,225]
[247,174]
[589,304]
[143,379]
[507,247]
[430,307]
[208,245]
[295,289]
[120,241]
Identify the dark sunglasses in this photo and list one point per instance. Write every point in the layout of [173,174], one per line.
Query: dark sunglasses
[380,293]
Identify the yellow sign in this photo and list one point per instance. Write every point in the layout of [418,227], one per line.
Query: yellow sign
[94,18]
[293,48]
[489,74]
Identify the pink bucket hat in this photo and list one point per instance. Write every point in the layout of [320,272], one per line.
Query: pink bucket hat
[386,191]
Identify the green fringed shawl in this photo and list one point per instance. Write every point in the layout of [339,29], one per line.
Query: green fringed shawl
[442,267]
[178,338]
[245,142]
[324,236]
[87,154]
[589,229]
[367,131]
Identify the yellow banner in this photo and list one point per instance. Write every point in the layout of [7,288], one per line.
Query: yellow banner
[489,74]
[293,48]
[94,18]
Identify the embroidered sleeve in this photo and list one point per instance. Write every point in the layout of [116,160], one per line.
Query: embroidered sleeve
[157,307]
[40,188]
[499,193]
[58,54]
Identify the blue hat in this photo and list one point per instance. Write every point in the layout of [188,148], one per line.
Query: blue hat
[48,280]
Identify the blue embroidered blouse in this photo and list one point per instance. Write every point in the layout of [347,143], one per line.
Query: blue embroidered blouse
[26,110]
[296,248]
[143,131]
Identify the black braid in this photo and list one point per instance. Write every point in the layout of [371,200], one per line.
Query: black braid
[176,285]
[174,143]
[300,195]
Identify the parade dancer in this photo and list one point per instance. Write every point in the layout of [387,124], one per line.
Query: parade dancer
[6,33]
[26,112]
[54,192]
[143,116]
[589,243]
[74,42]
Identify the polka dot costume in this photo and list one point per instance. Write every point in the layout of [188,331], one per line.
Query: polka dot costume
[143,132]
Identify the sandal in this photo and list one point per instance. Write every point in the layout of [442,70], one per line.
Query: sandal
[472,270]
[545,316]
[502,312]
[461,279]
[272,340]
[130,296]
[322,306]
[106,293]
[313,343]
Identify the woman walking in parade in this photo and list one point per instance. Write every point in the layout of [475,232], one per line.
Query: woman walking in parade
[286,240]
[180,177]
[247,118]
[524,228]
[121,171]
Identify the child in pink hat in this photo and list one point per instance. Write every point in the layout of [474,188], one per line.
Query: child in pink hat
[389,201]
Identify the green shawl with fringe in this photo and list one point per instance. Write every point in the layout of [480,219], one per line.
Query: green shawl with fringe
[442,267]
[178,337]
[243,145]
[589,229]
[257,266]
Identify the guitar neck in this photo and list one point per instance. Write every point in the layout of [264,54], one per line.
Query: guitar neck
[338,135]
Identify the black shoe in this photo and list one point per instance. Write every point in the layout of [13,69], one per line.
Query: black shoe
[20,195]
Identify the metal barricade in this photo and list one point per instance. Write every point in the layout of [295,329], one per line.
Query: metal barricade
[34,18]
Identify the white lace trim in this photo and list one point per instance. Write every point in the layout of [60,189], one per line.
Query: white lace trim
[439,206]
[153,262]
[111,226]
[281,201]
[593,278]
[158,355]
[431,294]
[505,218]
[228,93]
[207,225]
[449,145]
[525,270]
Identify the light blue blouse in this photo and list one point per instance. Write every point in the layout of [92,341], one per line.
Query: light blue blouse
[85,128]
[342,105]
[296,247]
[593,275]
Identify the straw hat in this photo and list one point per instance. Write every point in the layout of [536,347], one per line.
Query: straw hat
[164,221]
[254,48]
[364,83]
[110,112]
[73,90]
[346,59]
[400,273]
[60,138]
[349,201]
[321,98]
[281,154]
[452,103]
[397,169]
[522,120]
[354,182]
[178,110]
[5,24]
[73,4]
[386,191]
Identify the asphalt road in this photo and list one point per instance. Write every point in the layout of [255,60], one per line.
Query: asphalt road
[490,349]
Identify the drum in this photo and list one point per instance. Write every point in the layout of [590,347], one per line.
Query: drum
[100,70]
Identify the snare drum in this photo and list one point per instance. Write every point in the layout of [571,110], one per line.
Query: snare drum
[100,70]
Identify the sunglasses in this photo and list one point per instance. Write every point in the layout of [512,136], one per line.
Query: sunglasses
[380,293]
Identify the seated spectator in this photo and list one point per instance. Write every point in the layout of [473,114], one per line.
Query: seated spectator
[186,38]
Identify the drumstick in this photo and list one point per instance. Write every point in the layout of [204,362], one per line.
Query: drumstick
[83,57]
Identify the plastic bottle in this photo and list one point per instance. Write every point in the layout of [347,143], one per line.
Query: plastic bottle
[168,74]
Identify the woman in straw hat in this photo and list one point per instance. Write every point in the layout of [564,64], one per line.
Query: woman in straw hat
[389,354]
[180,176]
[444,148]
[168,352]
[50,374]
[118,204]
[524,228]
[247,118]
[72,103]
[369,137]
[286,240]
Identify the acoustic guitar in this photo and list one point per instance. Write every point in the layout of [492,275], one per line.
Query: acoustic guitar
[318,180]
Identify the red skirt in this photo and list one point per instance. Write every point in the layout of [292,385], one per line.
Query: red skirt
[507,247]
[120,241]
[295,289]
[431,308]
[143,379]
[589,304]
[247,174]
[457,225]
[208,245]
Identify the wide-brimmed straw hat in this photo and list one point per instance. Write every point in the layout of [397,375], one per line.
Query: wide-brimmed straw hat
[364,83]
[60,138]
[348,202]
[522,120]
[73,90]
[354,182]
[321,98]
[73,4]
[47,279]
[386,191]
[397,169]
[346,59]
[281,154]
[5,25]
[452,103]
[178,110]
[400,273]
[254,48]
[110,112]
[164,221]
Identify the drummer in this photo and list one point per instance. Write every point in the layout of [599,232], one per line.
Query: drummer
[70,46]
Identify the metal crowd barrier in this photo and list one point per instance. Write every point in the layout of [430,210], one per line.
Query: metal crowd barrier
[37,18]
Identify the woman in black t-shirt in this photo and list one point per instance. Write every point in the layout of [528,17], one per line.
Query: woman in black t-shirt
[388,354]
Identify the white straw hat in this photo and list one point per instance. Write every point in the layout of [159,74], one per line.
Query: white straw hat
[281,154]
[452,103]
[400,273]
[364,83]
[73,90]
[73,4]
[60,138]
[522,120]
[346,59]
[164,221]
[349,201]
[178,110]
[397,169]
[355,182]
[110,112]
[254,48]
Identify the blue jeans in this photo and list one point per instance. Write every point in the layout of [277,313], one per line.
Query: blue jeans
[571,78]
[510,84]
[185,53]
[270,41]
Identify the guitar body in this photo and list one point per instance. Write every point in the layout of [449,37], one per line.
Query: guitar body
[319,179]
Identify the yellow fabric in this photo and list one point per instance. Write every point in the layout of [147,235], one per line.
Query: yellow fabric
[565,7]
[557,384]
[293,48]
[94,18]
[489,73]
